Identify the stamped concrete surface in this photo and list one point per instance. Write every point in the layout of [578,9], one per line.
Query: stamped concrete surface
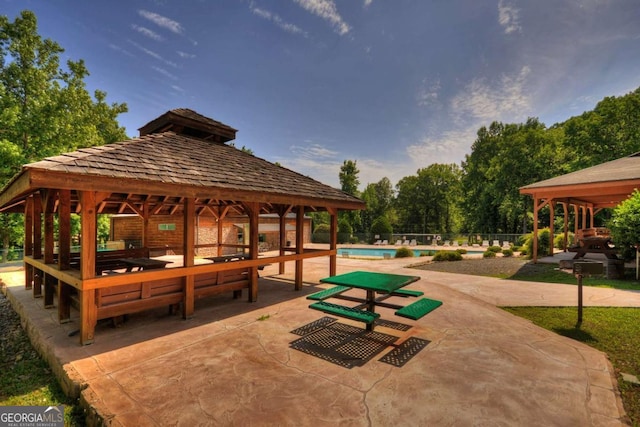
[232,363]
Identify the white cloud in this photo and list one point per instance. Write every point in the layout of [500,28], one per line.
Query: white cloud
[147,32]
[162,21]
[120,49]
[164,72]
[367,3]
[508,17]
[477,104]
[269,16]
[480,101]
[428,93]
[326,9]
[185,55]
[313,151]
[153,54]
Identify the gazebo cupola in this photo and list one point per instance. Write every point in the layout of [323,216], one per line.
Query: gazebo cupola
[184,121]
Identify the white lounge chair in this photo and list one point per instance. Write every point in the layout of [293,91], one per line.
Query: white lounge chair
[378,242]
[506,245]
[496,243]
[405,243]
[385,242]
[485,243]
[455,244]
[398,242]
[413,242]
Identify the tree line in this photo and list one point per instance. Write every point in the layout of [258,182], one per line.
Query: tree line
[481,194]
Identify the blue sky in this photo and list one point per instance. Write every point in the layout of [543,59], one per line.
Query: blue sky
[394,85]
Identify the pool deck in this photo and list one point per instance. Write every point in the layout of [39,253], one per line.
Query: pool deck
[232,364]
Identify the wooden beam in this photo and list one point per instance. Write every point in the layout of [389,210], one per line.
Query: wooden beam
[333,241]
[64,254]
[188,257]
[299,246]
[88,308]
[38,275]
[253,209]
[28,241]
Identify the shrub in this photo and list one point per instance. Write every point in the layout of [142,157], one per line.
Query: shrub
[488,254]
[321,233]
[447,256]
[496,249]
[543,243]
[558,240]
[461,251]
[404,252]
[507,252]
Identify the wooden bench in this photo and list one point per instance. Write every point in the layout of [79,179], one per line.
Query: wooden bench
[346,312]
[328,293]
[419,308]
[215,283]
[126,299]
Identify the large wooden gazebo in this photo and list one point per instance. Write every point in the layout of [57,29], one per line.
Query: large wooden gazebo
[180,166]
[587,191]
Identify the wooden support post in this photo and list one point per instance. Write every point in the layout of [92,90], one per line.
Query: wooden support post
[64,254]
[552,211]
[565,208]
[188,299]
[333,241]
[299,246]
[536,208]
[28,242]
[283,236]
[37,244]
[49,198]
[254,219]
[88,224]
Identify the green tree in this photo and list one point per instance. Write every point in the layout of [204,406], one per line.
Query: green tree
[382,227]
[379,198]
[427,202]
[349,183]
[610,131]
[504,158]
[625,225]
[45,110]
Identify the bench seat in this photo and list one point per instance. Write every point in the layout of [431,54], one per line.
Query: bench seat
[419,308]
[406,293]
[328,293]
[346,312]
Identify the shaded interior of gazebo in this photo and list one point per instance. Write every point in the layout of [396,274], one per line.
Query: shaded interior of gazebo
[586,191]
[181,165]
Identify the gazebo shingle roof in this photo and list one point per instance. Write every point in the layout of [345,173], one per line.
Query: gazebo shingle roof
[179,165]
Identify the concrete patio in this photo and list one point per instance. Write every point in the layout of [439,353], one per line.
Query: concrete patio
[232,363]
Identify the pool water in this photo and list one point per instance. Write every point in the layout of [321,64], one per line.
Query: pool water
[390,253]
[376,252]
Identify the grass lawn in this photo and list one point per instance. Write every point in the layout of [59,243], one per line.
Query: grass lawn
[615,331]
[26,379]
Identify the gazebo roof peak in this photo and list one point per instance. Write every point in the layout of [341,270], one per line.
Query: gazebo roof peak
[184,121]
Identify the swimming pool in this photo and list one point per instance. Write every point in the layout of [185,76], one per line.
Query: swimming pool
[387,253]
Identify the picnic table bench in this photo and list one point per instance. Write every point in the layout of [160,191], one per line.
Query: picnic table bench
[387,285]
